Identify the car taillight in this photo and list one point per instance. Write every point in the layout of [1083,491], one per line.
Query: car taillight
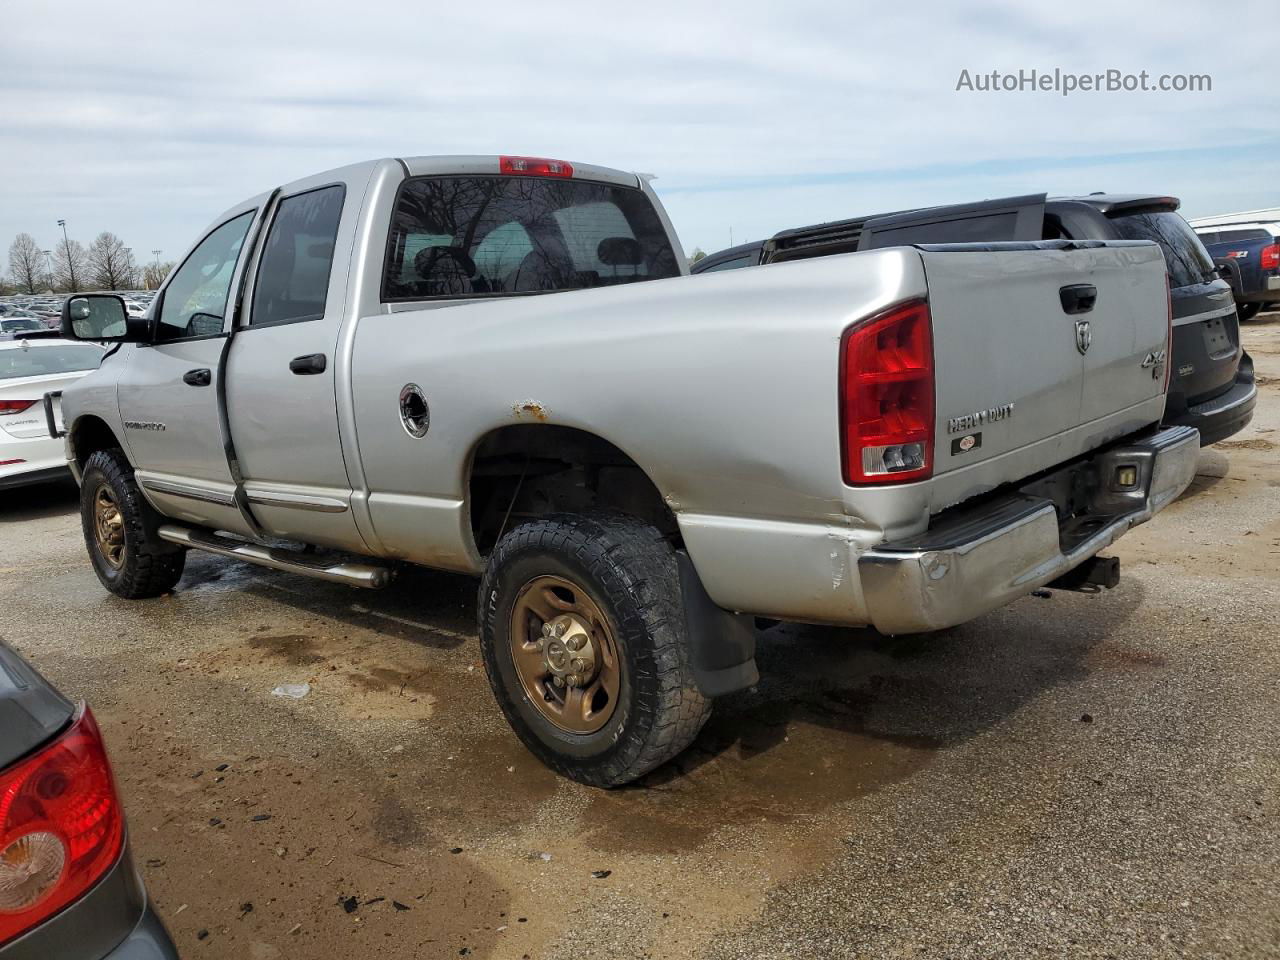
[535,167]
[886,397]
[61,827]
[16,406]
[1270,257]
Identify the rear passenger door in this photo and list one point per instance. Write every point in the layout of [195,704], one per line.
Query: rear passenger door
[281,401]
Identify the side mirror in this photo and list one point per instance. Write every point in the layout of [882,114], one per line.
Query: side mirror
[102,317]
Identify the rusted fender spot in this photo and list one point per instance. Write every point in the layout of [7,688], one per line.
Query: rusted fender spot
[530,408]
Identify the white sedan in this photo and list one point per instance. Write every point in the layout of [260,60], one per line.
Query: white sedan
[28,370]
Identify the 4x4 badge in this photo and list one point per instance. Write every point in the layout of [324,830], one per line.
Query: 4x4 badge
[1083,336]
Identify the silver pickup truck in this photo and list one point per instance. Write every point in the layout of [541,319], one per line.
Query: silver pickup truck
[361,369]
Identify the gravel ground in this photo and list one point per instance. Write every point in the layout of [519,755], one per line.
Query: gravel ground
[1084,776]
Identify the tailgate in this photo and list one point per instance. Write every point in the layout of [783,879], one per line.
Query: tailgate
[1016,371]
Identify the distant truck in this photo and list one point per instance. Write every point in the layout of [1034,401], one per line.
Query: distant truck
[494,365]
[1247,252]
[1212,388]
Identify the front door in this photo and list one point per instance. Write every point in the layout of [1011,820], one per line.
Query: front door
[281,402]
[169,395]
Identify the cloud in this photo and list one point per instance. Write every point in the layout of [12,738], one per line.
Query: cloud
[149,118]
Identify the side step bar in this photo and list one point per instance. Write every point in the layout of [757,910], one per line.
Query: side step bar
[368,575]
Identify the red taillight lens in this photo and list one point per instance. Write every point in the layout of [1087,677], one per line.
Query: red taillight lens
[535,167]
[886,397]
[61,827]
[15,406]
[1270,257]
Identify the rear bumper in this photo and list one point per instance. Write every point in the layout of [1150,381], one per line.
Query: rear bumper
[148,941]
[985,557]
[1224,415]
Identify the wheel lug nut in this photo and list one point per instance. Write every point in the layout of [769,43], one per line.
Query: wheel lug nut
[546,629]
[579,665]
[541,644]
[574,642]
[574,680]
[558,630]
[558,681]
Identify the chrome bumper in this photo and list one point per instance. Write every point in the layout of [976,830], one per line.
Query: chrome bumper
[981,559]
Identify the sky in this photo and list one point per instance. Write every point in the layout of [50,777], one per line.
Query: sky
[149,119]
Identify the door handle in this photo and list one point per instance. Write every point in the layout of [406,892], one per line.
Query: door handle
[198,378]
[1078,297]
[309,364]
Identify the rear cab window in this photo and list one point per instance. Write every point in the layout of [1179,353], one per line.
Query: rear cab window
[293,275]
[455,237]
[1185,257]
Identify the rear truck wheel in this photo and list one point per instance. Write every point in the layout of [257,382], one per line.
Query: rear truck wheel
[119,531]
[1247,311]
[583,633]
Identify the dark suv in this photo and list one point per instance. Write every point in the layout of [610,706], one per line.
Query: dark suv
[1211,386]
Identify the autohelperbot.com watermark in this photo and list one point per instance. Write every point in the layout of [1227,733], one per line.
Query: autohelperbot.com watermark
[1065,82]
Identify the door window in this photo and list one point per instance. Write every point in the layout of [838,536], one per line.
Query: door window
[195,301]
[293,276]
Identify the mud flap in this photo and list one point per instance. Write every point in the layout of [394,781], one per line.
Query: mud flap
[722,645]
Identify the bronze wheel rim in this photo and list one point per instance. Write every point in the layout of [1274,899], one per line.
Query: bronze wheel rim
[565,654]
[108,527]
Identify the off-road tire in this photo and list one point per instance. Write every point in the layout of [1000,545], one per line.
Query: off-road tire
[629,571]
[150,565]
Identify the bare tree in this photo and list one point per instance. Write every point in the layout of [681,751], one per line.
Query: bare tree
[153,274]
[698,254]
[25,262]
[110,263]
[69,263]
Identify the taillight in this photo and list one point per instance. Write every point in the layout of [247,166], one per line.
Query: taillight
[16,406]
[535,167]
[1270,257]
[886,397]
[61,827]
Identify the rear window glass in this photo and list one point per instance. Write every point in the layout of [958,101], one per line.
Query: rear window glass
[1184,255]
[1000,226]
[37,361]
[1236,236]
[744,261]
[293,277]
[19,324]
[483,236]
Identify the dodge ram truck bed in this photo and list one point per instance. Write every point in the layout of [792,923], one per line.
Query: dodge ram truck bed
[495,365]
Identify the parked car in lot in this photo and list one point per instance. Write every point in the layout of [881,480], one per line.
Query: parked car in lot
[68,886]
[636,463]
[1212,387]
[1248,254]
[28,370]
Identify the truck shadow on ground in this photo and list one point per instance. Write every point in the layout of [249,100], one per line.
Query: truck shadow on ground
[838,713]
[39,501]
[842,713]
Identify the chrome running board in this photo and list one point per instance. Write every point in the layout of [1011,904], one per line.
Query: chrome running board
[353,574]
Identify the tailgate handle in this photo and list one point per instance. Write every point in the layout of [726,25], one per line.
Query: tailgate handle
[1078,297]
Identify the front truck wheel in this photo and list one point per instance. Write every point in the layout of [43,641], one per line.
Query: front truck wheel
[583,632]
[119,531]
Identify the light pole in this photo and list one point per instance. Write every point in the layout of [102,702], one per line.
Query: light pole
[71,264]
